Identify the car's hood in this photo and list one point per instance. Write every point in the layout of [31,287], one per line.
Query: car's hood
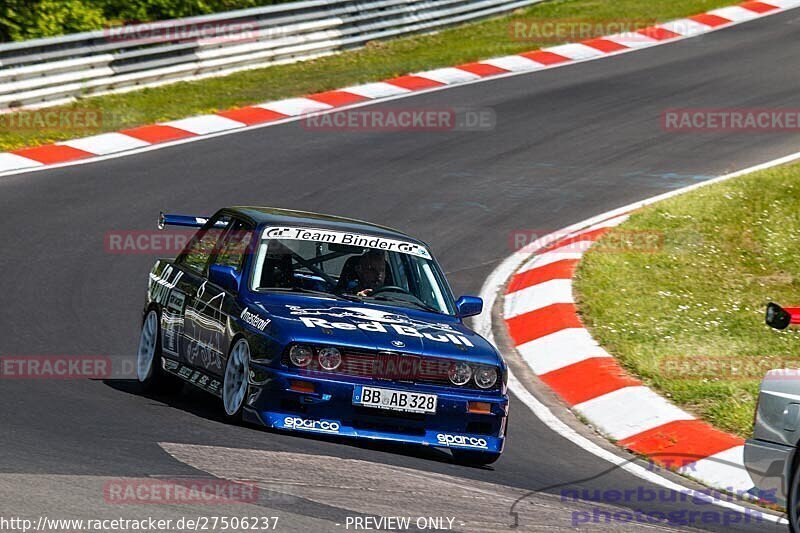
[375,327]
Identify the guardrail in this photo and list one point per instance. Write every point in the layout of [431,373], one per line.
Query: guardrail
[58,70]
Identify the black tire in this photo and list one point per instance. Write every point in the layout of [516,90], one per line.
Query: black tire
[235,380]
[470,458]
[154,379]
[793,505]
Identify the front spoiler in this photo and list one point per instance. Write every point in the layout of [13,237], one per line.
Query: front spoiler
[432,438]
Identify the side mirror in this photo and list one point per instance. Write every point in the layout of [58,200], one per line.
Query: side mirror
[224,276]
[778,317]
[469,306]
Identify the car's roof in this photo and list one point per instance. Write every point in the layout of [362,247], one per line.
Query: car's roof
[289,217]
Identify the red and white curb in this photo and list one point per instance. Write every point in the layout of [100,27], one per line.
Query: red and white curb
[142,138]
[498,284]
[544,326]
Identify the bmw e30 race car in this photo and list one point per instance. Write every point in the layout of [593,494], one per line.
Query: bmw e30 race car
[319,324]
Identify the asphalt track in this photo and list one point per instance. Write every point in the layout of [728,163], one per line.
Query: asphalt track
[568,144]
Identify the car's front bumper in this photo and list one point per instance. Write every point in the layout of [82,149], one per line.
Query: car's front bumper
[329,410]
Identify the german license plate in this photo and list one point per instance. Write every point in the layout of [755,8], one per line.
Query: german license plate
[395,400]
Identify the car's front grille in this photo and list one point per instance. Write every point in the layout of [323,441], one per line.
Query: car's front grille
[390,366]
[395,367]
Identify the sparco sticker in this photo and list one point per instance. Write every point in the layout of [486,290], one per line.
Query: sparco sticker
[447,439]
[344,237]
[307,424]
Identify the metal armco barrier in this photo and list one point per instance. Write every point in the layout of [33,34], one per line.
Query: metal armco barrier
[58,70]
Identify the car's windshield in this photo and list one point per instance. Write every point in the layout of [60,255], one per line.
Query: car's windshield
[352,266]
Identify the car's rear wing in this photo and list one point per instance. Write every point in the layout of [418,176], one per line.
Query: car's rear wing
[186,221]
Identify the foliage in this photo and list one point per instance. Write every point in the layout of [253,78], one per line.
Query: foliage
[29,19]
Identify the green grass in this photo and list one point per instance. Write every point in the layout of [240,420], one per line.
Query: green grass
[727,250]
[377,61]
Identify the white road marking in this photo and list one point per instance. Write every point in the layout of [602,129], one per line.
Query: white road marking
[554,291]
[514,63]
[9,161]
[205,124]
[376,90]
[448,75]
[560,349]
[735,13]
[575,51]
[685,27]
[721,470]
[629,411]
[295,106]
[106,143]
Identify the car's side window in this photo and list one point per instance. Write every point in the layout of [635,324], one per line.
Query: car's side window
[234,245]
[199,250]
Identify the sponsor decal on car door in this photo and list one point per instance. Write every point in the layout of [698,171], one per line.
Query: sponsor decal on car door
[206,320]
[167,288]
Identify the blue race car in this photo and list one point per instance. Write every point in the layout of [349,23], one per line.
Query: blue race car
[319,324]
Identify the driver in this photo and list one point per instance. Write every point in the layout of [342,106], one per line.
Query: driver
[367,274]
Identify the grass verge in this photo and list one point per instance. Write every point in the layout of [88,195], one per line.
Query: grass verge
[688,315]
[377,61]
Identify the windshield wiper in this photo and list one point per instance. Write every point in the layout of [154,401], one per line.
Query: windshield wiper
[420,305]
[351,297]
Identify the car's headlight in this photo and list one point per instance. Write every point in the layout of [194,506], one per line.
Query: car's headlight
[460,373]
[485,377]
[301,355]
[330,358]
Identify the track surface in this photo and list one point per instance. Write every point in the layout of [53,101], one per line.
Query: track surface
[568,144]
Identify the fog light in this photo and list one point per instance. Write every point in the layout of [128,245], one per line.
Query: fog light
[330,358]
[301,355]
[460,373]
[480,408]
[485,377]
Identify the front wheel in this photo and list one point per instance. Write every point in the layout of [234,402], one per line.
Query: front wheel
[148,359]
[470,458]
[234,384]
[793,505]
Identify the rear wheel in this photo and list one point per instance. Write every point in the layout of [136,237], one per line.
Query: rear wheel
[234,384]
[148,359]
[793,505]
[470,458]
